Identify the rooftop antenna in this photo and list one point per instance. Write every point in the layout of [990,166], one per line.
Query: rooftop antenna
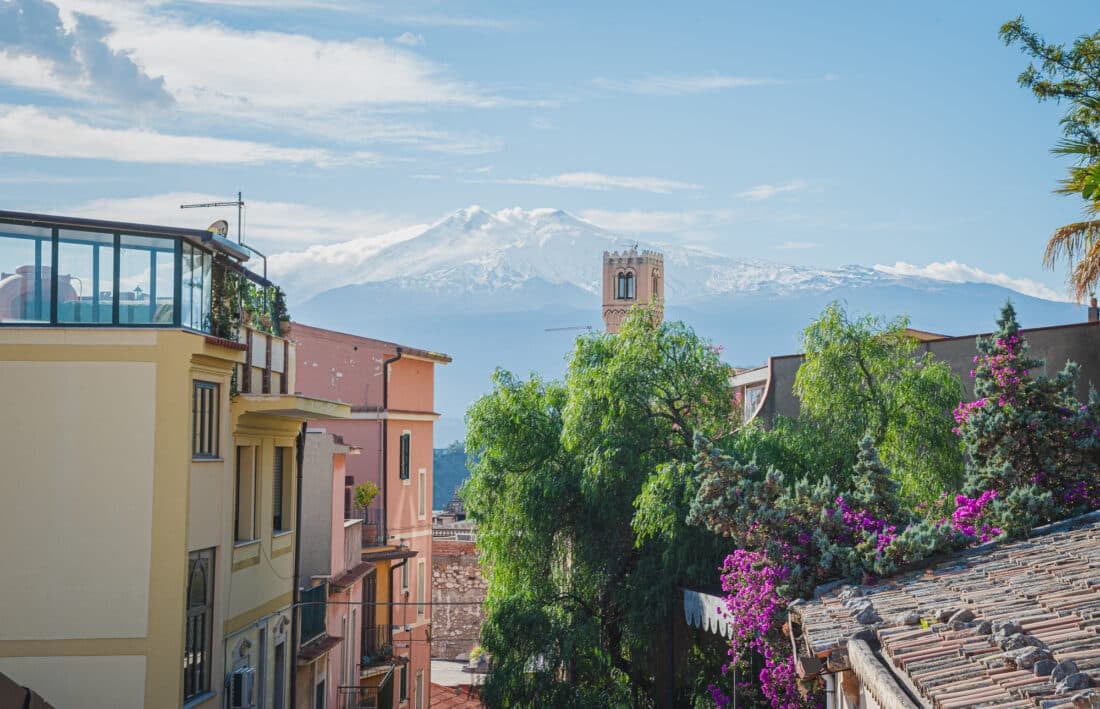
[239,204]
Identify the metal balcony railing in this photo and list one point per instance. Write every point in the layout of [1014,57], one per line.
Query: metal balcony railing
[373,519]
[377,645]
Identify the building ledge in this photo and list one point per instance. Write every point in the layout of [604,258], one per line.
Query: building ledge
[317,647]
[293,406]
[350,577]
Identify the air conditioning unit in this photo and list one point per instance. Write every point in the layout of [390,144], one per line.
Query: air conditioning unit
[242,688]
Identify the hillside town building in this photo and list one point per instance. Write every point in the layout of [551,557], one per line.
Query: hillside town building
[151,458]
[390,389]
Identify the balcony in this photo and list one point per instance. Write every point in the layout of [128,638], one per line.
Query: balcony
[373,519]
[377,647]
[353,543]
[66,271]
[269,363]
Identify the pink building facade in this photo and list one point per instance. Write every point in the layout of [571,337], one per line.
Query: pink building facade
[332,577]
[391,391]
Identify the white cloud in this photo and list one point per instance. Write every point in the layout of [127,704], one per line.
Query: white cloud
[956,272]
[679,85]
[270,226]
[29,131]
[759,193]
[409,39]
[600,181]
[658,221]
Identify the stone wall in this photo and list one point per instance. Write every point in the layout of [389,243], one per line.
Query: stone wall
[456,579]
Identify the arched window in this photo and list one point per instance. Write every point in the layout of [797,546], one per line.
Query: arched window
[624,286]
[656,293]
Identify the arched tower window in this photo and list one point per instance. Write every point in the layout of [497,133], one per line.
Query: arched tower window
[656,293]
[624,286]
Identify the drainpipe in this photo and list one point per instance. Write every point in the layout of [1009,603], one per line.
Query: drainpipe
[386,446]
[393,595]
[300,454]
[830,690]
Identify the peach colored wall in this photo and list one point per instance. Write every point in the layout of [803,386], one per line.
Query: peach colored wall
[349,369]
[340,367]
[412,385]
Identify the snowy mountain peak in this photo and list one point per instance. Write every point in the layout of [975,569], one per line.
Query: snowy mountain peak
[474,249]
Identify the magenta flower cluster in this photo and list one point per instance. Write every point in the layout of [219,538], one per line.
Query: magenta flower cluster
[1002,368]
[967,517]
[755,609]
[864,523]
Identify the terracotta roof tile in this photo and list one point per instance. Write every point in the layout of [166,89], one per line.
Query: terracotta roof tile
[1049,585]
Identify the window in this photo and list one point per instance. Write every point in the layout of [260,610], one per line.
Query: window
[26,255]
[196,288]
[146,280]
[319,695]
[656,294]
[205,403]
[85,277]
[624,286]
[420,690]
[280,676]
[244,513]
[280,512]
[422,494]
[420,587]
[198,646]
[406,445]
[404,688]
[405,576]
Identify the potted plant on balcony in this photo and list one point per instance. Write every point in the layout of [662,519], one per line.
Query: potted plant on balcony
[363,496]
[279,312]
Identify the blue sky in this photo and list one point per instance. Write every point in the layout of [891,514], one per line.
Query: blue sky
[803,132]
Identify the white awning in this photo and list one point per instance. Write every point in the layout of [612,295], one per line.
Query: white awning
[701,610]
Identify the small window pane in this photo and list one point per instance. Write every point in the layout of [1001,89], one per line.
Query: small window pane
[198,643]
[85,277]
[25,257]
[147,274]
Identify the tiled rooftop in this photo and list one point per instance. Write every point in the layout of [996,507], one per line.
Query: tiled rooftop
[1003,625]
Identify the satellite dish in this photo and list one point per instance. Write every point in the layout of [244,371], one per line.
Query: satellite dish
[220,227]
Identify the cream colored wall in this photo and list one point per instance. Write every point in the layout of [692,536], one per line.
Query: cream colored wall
[78,443]
[84,682]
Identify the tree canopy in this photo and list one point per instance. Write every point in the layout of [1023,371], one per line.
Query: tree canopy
[580,490]
[1070,75]
[866,376]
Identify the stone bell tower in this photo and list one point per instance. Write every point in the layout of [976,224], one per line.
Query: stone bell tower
[631,278]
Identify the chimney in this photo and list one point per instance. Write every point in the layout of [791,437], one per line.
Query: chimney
[1094,312]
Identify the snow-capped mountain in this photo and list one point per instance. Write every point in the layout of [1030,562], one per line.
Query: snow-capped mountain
[512,288]
[477,250]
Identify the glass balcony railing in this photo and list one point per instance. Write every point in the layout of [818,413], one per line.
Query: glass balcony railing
[65,271]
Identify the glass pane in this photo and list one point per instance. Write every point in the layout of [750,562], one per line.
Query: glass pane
[195,307]
[25,257]
[147,274]
[85,276]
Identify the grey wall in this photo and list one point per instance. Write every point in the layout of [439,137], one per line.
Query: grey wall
[1079,342]
[316,523]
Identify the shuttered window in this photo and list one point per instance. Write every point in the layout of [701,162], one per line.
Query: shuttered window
[278,494]
[204,420]
[199,641]
[406,445]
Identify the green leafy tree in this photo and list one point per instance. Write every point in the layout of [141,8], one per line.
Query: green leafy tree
[869,377]
[580,491]
[1070,75]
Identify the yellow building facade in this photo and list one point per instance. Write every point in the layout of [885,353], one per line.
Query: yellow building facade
[146,505]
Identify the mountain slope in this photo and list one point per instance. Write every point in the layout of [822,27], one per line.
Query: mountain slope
[491,289]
